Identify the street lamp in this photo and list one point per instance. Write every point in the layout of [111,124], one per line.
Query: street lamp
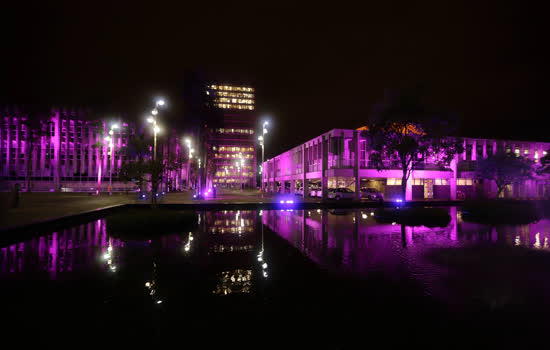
[262,142]
[190,150]
[110,140]
[156,129]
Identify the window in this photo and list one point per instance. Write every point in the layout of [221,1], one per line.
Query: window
[418,182]
[393,181]
[441,182]
[464,182]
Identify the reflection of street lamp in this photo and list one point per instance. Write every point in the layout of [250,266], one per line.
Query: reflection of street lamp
[260,255]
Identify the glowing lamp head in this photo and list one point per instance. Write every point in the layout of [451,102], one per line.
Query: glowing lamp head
[114,126]
[150,120]
[260,138]
[157,129]
[111,132]
[265,131]
[266,123]
[282,202]
[160,102]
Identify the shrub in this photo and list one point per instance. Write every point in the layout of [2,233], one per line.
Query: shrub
[500,212]
[415,216]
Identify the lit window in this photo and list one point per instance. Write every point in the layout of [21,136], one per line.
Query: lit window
[438,182]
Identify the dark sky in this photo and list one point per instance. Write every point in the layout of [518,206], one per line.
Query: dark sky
[315,68]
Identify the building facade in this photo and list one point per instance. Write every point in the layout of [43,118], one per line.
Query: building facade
[233,139]
[340,158]
[66,149]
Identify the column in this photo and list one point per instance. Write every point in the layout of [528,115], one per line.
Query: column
[34,157]
[494,147]
[90,170]
[292,187]
[305,185]
[43,151]
[356,164]
[465,150]
[408,189]
[474,150]
[324,166]
[56,144]
[453,179]
[255,169]
[484,149]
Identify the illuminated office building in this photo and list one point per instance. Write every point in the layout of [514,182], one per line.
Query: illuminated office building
[233,139]
[340,158]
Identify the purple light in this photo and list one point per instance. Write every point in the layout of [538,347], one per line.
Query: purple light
[282,202]
[290,201]
[399,200]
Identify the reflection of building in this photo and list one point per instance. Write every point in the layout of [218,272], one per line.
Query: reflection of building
[231,244]
[234,281]
[340,158]
[67,251]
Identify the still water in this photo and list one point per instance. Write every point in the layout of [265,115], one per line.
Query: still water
[309,267]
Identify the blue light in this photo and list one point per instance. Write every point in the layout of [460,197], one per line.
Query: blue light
[399,200]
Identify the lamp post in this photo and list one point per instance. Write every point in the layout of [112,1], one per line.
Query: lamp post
[156,129]
[191,150]
[110,154]
[262,142]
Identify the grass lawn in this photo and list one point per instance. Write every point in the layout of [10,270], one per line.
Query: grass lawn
[40,206]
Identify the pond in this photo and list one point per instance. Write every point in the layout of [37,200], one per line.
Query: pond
[320,277]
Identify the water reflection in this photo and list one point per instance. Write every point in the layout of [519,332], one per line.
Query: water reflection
[229,245]
[63,252]
[352,240]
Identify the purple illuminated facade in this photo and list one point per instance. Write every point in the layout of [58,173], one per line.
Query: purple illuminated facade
[339,158]
[65,150]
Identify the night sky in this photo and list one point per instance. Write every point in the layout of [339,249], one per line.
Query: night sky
[314,68]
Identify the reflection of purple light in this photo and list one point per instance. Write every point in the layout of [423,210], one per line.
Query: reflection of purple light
[282,201]
[290,201]
[399,200]
[194,196]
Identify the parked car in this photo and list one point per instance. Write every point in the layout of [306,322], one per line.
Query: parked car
[340,193]
[313,191]
[371,193]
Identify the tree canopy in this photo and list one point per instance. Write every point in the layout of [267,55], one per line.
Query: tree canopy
[504,169]
[403,129]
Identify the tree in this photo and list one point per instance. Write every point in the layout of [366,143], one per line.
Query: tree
[35,131]
[544,167]
[504,169]
[402,128]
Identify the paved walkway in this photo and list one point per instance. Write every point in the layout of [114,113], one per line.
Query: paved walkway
[38,206]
